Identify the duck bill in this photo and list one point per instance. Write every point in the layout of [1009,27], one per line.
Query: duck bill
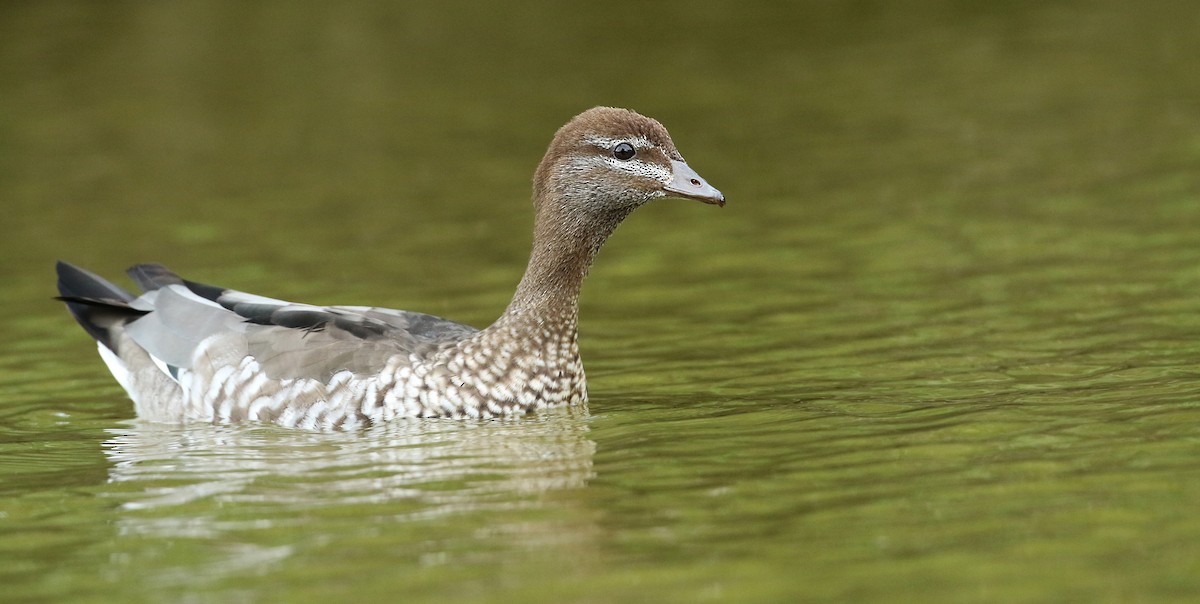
[687,184]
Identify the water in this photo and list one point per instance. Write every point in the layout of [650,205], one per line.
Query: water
[943,344]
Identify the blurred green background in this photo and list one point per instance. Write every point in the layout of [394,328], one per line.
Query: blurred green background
[943,344]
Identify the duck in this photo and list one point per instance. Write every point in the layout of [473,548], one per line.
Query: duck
[190,352]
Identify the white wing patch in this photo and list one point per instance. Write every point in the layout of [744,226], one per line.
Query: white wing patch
[162,366]
[117,367]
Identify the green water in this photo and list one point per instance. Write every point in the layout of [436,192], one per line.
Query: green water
[942,345]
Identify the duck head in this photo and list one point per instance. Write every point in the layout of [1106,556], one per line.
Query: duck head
[609,161]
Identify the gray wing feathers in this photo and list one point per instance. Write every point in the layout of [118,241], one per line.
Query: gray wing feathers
[344,344]
[180,321]
[294,344]
[418,324]
[292,353]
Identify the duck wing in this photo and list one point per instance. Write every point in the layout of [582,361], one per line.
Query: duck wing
[287,339]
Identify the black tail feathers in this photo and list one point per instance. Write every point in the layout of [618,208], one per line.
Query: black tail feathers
[95,303]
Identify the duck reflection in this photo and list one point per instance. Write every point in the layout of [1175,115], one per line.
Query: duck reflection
[432,467]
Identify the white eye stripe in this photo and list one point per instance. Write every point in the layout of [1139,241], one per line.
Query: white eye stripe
[636,167]
[604,142]
[639,168]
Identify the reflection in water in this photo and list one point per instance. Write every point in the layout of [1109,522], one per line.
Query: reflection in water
[204,506]
[436,467]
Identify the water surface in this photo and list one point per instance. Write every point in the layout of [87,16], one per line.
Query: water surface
[943,344]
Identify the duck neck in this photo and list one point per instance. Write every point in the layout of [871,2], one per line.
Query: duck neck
[563,249]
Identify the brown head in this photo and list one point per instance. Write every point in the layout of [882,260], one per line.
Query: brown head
[608,160]
[600,167]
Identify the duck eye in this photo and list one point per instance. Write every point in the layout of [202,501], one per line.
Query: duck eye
[623,151]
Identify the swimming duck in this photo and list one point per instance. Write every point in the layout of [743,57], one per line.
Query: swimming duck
[186,351]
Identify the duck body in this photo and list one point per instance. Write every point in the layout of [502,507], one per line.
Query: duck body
[243,357]
[186,351]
